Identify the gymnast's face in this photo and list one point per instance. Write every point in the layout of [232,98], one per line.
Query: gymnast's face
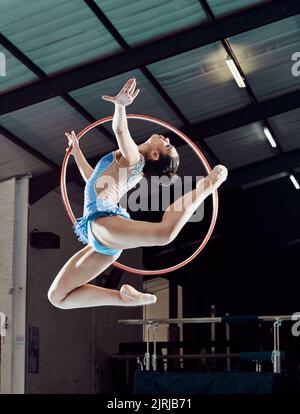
[158,144]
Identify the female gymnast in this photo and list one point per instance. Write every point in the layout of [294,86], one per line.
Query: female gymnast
[106,228]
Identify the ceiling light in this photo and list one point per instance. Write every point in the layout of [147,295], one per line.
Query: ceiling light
[270,137]
[235,72]
[294,181]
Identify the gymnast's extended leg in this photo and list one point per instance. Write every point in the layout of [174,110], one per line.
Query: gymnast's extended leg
[119,233]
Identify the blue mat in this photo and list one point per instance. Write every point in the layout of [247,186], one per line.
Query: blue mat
[150,382]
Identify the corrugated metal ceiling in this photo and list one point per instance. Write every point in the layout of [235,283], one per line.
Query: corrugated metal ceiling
[17,74]
[148,102]
[241,146]
[60,34]
[200,83]
[287,129]
[43,125]
[55,34]
[15,161]
[221,7]
[141,21]
[265,55]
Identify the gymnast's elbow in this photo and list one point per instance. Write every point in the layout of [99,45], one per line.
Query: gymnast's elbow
[120,131]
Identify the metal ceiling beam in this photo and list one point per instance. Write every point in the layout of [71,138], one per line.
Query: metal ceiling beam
[17,53]
[30,150]
[44,183]
[148,75]
[22,57]
[205,129]
[263,169]
[142,55]
[247,115]
[41,185]
[5,132]
[85,114]
[122,42]
[228,49]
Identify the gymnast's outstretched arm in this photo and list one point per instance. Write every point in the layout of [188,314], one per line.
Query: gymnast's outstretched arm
[127,146]
[84,167]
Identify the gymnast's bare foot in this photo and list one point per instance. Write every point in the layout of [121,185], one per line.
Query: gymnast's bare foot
[133,297]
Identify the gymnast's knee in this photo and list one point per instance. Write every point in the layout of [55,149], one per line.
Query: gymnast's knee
[56,298]
[165,235]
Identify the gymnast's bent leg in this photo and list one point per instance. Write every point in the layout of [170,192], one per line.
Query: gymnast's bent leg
[70,288]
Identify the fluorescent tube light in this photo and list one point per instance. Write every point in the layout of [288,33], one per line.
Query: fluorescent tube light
[294,181]
[270,137]
[235,72]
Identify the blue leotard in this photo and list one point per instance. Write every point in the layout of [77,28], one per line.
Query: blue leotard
[96,206]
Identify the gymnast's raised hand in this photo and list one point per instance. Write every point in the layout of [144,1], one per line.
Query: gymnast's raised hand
[126,95]
[84,167]
[106,228]
[129,150]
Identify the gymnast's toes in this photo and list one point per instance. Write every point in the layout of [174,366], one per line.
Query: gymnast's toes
[149,298]
[133,297]
[220,172]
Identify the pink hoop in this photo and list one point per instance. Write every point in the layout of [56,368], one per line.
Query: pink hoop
[200,156]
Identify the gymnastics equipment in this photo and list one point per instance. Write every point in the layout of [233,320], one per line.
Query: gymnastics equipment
[203,161]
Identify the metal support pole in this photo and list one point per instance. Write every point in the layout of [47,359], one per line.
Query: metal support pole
[213,334]
[139,363]
[154,356]
[213,328]
[257,366]
[228,367]
[276,359]
[147,354]
[127,371]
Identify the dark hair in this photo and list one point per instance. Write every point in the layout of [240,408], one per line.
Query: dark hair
[164,166]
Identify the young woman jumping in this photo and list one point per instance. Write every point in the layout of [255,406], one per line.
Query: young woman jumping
[106,228]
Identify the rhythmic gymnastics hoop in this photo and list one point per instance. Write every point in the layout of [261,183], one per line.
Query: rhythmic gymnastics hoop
[197,152]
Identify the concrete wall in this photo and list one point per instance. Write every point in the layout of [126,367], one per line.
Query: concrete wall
[72,342]
[160,310]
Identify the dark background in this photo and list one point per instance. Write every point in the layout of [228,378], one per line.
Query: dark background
[250,265]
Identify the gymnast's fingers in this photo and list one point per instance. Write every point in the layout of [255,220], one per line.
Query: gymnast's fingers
[132,86]
[135,94]
[108,98]
[74,135]
[68,136]
[127,85]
